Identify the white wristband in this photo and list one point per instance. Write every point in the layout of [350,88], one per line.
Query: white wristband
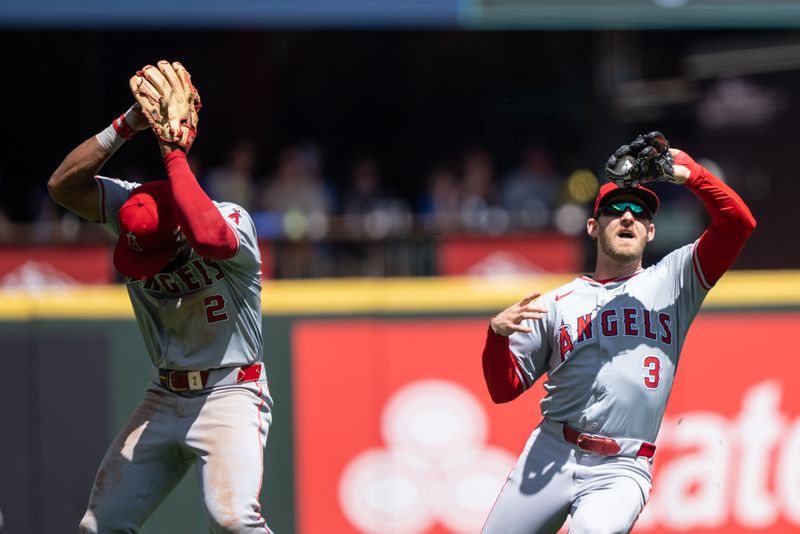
[116,133]
[135,119]
[109,139]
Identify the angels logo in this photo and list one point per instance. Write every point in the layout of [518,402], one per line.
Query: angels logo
[235,215]
[564,340]
[436,466]
[133,244]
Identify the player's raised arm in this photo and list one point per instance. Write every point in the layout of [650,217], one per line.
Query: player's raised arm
[731,220]
[504,378]
[170,102]
[650,159]
[72,184]
[201,222]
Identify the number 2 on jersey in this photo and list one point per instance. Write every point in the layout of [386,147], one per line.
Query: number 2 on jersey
[652,374]
[215,309]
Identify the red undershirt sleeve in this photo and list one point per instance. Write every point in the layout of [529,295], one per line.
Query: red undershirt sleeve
[500,369]
[201,222]
[731,221]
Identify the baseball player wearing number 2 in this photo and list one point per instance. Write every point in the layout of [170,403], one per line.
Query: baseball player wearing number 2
[192,268]
[609,344]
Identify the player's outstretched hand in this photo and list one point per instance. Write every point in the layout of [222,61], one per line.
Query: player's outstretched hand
[509,320]
[685,167]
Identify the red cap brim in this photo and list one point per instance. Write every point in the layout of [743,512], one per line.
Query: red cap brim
[140,265]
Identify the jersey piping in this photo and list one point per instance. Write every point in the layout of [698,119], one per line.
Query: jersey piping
[698,271]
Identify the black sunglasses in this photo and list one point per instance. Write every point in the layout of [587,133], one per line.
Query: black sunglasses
[615,209]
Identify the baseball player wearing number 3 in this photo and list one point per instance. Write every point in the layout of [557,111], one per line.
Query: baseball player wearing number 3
[609,344]
[193,276]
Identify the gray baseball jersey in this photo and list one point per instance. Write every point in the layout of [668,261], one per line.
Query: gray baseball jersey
[207,313]
[611,349]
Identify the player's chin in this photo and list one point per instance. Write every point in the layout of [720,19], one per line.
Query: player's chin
[623,250]
[627,252]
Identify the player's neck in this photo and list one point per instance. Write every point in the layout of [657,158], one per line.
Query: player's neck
[608,269]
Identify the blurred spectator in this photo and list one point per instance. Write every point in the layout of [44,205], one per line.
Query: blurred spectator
[54,224]
[234,181]
[529,191]
[363,193]
[478,207]
[441,200]
[368,208]
[368,211]
[296,203]
[297,186]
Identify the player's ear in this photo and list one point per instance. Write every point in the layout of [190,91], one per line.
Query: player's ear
[651,232]
[592,227]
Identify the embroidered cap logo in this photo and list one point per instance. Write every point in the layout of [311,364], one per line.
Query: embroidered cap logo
[133,244]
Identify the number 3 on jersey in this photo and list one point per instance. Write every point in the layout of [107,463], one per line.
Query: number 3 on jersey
[652,373]
[215,309]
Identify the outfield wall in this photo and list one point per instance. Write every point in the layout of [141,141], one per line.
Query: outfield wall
[377,384]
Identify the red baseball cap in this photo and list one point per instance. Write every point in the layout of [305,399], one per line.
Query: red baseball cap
[149,231]
[611,190]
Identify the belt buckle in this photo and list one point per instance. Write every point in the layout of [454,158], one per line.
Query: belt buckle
[195,380]
[171,385]
[583,442]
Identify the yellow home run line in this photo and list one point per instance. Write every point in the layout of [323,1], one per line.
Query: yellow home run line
[365,295]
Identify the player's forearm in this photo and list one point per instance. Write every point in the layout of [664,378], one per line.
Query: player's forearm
[500,369]
[731,224]
[72,184]
[200,220]
[729,214]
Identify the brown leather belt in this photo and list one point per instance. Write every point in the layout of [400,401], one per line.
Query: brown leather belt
[196,380]
[602,445]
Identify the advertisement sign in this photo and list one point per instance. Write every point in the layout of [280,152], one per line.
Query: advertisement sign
[32,267]
[395,432]
[510,255]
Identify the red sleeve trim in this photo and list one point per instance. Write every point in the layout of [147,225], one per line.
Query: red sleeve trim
[236,234]
[504,380]
[698,271]
[201,222]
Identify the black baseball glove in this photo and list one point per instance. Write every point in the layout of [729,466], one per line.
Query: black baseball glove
[646,159]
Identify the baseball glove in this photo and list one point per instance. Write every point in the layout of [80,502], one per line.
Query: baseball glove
[169,101]
[646,159]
